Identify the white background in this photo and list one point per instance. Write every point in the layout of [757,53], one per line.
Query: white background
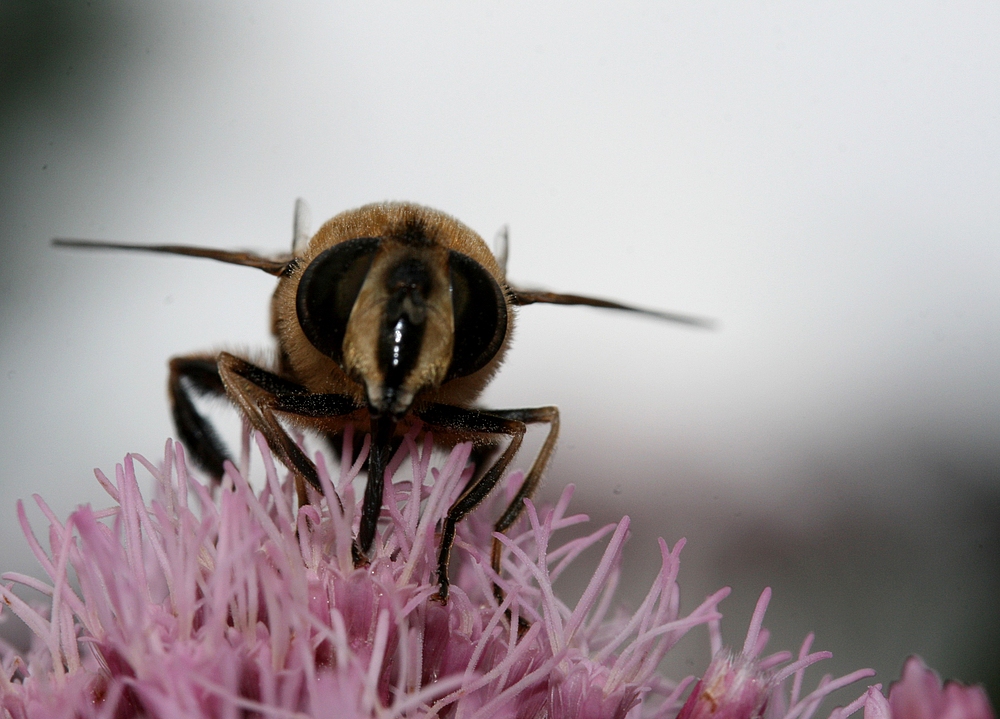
[822,178]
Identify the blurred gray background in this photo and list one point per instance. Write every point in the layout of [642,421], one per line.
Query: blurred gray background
[822,178]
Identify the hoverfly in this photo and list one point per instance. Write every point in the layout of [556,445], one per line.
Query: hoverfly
[391,314]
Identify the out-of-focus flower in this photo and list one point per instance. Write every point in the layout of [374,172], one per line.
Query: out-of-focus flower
[189,606]
[919,694]
[749,686]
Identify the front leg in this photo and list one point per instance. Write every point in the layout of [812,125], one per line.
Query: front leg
[490,423]
[550,416]
[260,393]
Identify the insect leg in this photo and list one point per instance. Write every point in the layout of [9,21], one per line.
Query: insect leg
[259,394]
[383,428]
[475,423]
[200,375]
[549,415]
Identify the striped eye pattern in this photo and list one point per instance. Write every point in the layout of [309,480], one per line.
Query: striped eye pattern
[331,283]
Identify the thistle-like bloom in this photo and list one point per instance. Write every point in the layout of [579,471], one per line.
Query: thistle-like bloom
[191,606]
[919,694]
[749,686]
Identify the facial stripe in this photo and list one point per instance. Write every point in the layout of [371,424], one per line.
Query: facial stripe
[401,335]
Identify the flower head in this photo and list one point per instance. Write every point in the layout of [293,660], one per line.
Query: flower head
[919,694]
[749,686]
[193,606]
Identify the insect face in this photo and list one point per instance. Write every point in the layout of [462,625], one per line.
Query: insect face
[412,310]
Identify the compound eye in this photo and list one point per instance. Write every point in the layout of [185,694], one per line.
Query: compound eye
[328,289]
[480,315]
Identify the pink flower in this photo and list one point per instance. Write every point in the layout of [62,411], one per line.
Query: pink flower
[748,686]
[189,606]
[920,695]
